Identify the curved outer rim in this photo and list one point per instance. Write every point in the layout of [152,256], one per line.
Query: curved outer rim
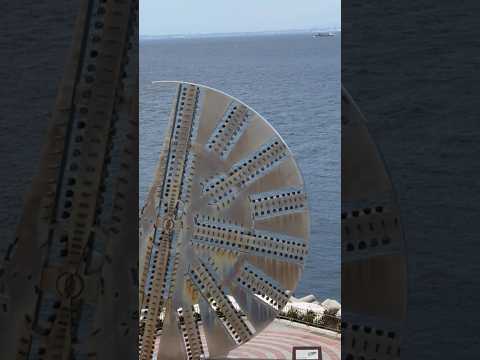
[296,167]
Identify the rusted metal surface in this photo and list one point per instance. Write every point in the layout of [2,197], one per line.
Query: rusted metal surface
[374,273]
[225,224]
[70,280]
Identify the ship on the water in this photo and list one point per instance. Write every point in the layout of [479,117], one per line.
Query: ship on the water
[323,34]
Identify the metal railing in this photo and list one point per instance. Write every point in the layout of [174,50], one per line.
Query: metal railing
[307,317]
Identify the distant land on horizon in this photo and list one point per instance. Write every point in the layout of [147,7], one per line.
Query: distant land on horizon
[232,34]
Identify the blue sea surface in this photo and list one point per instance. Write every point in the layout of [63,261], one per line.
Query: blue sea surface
[292,80]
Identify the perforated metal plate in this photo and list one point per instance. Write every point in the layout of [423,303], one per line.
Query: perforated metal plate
[70,277]
[224,231]
[374,281]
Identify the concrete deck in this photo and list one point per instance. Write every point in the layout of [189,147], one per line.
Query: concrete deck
[277,341]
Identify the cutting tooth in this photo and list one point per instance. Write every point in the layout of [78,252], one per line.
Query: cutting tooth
[229,130]
[275,203]
[207,283]
[191,334]
[60,333]
[262,286]
[190,168]
[222,189]
[178,161]
[220,236]
[371,230]
[218,340]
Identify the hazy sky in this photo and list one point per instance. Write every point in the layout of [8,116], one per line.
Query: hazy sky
[164,17]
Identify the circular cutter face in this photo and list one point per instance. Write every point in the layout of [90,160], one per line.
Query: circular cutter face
[223,232]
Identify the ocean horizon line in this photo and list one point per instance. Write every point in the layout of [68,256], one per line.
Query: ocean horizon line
[236,34]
